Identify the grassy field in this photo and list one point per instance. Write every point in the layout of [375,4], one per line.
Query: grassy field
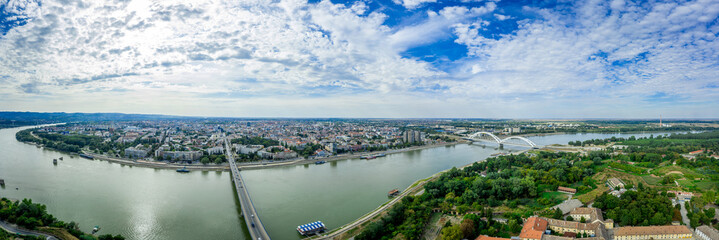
[591,195]
[627,168]
[555,197]
[707,185]
[651,180]
[686,183]
[688,173]
[59,232]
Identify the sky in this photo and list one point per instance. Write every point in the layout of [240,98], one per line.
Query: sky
[390,58]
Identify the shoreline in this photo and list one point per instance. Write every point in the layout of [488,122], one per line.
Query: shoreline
[411,189]
[251,165]
[259,165]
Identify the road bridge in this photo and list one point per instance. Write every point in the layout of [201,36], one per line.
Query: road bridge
[257,230]
[489,137]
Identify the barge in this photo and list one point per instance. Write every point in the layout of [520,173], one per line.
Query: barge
[311,228]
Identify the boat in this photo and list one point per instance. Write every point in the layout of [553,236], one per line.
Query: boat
[373,156]
[87,156]
[393,193]
[95,229]
[320,162]
[60,158]
[183,170]
[311,228]
[54,161]
[2,182]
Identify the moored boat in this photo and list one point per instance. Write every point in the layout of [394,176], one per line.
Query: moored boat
[311,228]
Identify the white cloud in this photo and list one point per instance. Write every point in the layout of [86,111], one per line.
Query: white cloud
[663,48]
[412,4]
[293,58]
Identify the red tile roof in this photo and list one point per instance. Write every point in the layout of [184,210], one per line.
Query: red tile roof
[485,237]
[566,189]
[533,228]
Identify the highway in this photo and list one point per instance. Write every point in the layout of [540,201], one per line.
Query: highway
[257,230]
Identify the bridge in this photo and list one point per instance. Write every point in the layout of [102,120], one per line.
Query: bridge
[513,140]
[254,225]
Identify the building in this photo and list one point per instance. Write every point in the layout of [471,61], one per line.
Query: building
[215,150]
[589,214]
[330,146]
[410,136]
[705,232]
[568,205]
[135,153]
[696,152]
[533,229]
[512,130]
[653,232]
[615,183]
[179,155]
[276,152]
[485,237]
[682,196]
[567,190]
[561,226]
[595,227]
[248,149]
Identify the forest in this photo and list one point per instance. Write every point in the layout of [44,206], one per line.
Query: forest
[255,141]
[512,180]
[31,216]
[644,207]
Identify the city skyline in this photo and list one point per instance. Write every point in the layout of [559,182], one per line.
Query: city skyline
[366,59]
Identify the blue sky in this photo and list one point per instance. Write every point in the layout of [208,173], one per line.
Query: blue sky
[394,58]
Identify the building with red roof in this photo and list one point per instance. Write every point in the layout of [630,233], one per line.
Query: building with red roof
[533,229]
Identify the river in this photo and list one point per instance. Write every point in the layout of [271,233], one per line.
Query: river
[144,203]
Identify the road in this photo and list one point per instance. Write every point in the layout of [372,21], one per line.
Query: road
[419,185]
[683,211]
[254,225]
[15,230]
[377,211]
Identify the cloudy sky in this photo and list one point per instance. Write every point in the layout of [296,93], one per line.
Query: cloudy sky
[389,58]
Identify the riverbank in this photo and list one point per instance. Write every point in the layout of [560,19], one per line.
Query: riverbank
[258,165]
[252,165]
[349,230]
[16,230]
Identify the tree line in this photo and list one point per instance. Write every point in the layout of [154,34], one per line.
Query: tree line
[31,215]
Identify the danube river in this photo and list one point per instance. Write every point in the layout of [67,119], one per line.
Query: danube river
[144,203]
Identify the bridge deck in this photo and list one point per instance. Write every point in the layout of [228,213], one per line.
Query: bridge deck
[257,230]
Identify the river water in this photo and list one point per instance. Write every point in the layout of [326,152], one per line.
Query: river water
[144,203]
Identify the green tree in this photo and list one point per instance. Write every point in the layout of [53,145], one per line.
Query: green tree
[467,228]
[451,233]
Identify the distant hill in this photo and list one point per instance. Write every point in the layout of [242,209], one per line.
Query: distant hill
[29,118]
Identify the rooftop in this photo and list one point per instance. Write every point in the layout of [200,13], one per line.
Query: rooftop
[709,231]
[485,237]
[568,205]
[652,230]
[533,228]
